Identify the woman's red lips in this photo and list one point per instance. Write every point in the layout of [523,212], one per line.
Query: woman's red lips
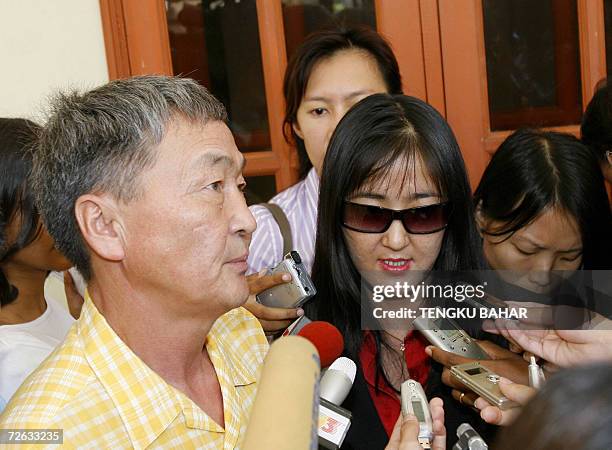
[395,264]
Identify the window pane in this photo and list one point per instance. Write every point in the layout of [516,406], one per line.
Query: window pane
[260,189]
[217,43]
[302,17]
[533,63]
[608,25]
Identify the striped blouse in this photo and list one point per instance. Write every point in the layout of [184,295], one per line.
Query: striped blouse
[299,203]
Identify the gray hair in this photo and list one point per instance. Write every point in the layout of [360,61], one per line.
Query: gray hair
[102,141]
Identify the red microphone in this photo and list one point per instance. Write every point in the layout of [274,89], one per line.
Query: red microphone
[326,338]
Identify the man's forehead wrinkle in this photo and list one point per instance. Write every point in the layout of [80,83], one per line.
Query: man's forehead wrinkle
[210,149]
[207,161]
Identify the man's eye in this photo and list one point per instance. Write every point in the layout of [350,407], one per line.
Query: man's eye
[216,186]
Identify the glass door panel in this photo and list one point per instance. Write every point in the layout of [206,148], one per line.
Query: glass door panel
[217,43]
[533,63]
[302,17]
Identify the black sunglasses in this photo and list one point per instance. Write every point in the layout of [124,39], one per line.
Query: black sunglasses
[375,219]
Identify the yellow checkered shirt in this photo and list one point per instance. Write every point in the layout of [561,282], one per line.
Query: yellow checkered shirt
[104,397]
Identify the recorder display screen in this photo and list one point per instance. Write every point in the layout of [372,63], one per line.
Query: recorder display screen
[418,411]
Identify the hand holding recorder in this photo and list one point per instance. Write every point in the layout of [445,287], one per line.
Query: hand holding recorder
[561,347]
[278,293]
[517,393]
[420,426]
[272,320]
[502,362]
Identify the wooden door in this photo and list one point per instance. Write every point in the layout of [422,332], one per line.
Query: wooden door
[512,63]
[250,41]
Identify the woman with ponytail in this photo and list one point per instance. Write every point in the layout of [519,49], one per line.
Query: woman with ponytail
[31,323]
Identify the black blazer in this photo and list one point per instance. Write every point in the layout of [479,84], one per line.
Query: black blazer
[367,431]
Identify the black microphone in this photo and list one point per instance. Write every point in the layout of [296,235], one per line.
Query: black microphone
[469,439]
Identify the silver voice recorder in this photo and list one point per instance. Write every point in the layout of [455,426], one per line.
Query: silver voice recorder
[447,335]
[294,293]
[483,382]
[414,401]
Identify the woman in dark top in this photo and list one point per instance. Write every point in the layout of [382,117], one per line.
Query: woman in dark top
[390,153]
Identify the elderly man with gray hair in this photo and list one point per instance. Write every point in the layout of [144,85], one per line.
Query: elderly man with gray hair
[140,184]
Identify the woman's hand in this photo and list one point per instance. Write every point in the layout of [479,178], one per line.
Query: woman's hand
[406,431]
[503,362]
[273,320]
[562,347]
[516,392]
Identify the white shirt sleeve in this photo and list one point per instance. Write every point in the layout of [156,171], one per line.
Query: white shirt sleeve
[266,248]
[20,354]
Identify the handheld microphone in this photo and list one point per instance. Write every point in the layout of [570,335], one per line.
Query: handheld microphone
[290,377]
[296,326]
[324,336]
[469,439]
[334,421]
[338,380]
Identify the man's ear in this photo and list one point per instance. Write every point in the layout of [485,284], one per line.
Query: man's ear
[297,130]
[100,224]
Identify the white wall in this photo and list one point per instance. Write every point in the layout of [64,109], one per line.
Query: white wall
[46,45]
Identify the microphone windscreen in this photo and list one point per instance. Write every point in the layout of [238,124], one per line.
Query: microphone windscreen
[338,380]
[326,338]
[285,410]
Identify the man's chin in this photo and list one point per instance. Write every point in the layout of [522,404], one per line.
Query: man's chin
[235,291]
[241,295]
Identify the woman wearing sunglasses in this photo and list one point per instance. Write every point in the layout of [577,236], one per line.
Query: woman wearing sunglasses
[394,198]
[317,94]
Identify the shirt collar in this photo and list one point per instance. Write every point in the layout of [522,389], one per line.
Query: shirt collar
[311,188]
[218,341]
[147,404]
[136,391]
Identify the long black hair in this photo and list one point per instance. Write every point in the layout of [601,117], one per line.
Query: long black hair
[533,171]
[596,127]
[377,133]
[17,136]
[324,44]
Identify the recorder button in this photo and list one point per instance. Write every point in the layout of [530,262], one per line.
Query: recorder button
[493,378]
